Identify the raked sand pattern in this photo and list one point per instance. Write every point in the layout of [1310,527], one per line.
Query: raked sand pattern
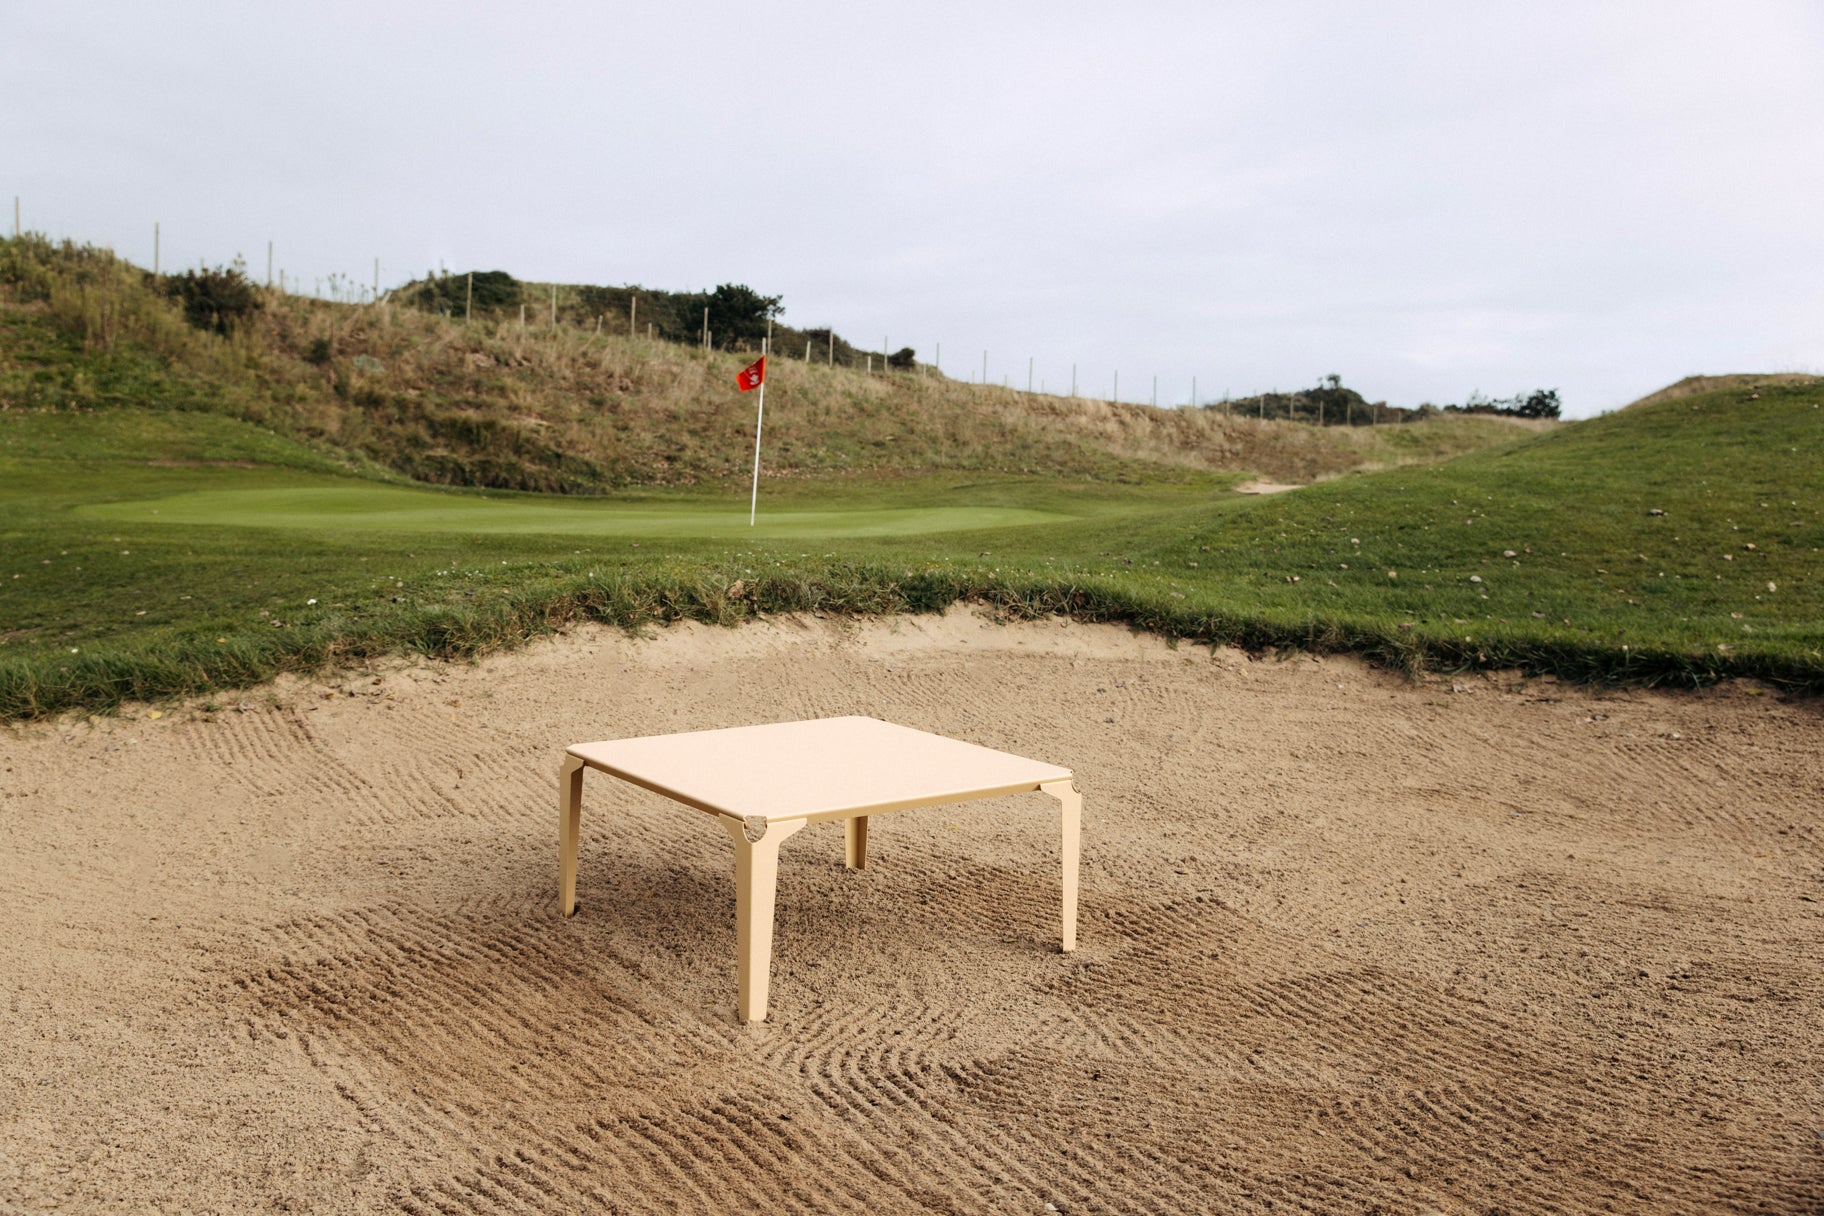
[1349,943]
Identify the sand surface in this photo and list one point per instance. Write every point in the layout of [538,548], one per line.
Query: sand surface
[1349,943]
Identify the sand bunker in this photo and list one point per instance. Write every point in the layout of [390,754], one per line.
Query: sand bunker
[1348,944]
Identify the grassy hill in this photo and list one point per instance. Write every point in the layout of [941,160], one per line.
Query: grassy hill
[1694,386]
[174,517]
[1679,540]
[569,410]
[151,553]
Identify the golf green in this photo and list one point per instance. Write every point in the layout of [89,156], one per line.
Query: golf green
[394,510]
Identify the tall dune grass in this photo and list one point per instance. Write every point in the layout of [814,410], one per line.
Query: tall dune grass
[566,409]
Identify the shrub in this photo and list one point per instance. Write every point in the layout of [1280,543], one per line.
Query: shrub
[739,314]
[1329,404]
[214,300]
[25,265]
[673,316]
[1540,403]
[484,292]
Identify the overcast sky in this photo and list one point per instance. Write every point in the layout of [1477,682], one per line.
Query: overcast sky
[1426,199]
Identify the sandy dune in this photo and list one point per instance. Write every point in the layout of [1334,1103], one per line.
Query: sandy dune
[1349,944]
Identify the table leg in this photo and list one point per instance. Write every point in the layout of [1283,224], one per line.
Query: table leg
[1070,815]
[756,887]
[855,842]
[569,827]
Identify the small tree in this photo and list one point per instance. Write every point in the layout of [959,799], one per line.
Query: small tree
[738,313]
[1540,403]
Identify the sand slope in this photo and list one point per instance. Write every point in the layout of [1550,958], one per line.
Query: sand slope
[1349,944]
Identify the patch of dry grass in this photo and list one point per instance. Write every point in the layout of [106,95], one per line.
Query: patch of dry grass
[565,409]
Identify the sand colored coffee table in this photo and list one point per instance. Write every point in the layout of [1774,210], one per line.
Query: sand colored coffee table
[763,783]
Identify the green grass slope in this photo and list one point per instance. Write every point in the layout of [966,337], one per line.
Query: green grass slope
[398,511]
[1674,542]
[147,553]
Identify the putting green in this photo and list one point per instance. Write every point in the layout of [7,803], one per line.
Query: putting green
[395,510]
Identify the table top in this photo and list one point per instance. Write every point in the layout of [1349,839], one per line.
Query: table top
[827,767]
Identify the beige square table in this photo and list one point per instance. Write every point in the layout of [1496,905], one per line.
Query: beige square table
[763,783]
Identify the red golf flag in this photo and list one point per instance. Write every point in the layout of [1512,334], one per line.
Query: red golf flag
[752,376]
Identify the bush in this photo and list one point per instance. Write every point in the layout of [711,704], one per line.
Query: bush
[1540,403]
[214,300]
[673,316]
[1329,404]
[483,292]
[25,265]
[739,314]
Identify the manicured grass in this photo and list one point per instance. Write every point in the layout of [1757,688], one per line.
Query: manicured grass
[398,511]
[1678,542]
[102,599]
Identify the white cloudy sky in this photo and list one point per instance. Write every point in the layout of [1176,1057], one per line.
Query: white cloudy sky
[1428,199]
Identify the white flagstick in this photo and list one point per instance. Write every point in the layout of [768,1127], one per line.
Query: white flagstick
[753,503]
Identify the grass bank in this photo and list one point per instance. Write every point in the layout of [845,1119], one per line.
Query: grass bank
[1672,543]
